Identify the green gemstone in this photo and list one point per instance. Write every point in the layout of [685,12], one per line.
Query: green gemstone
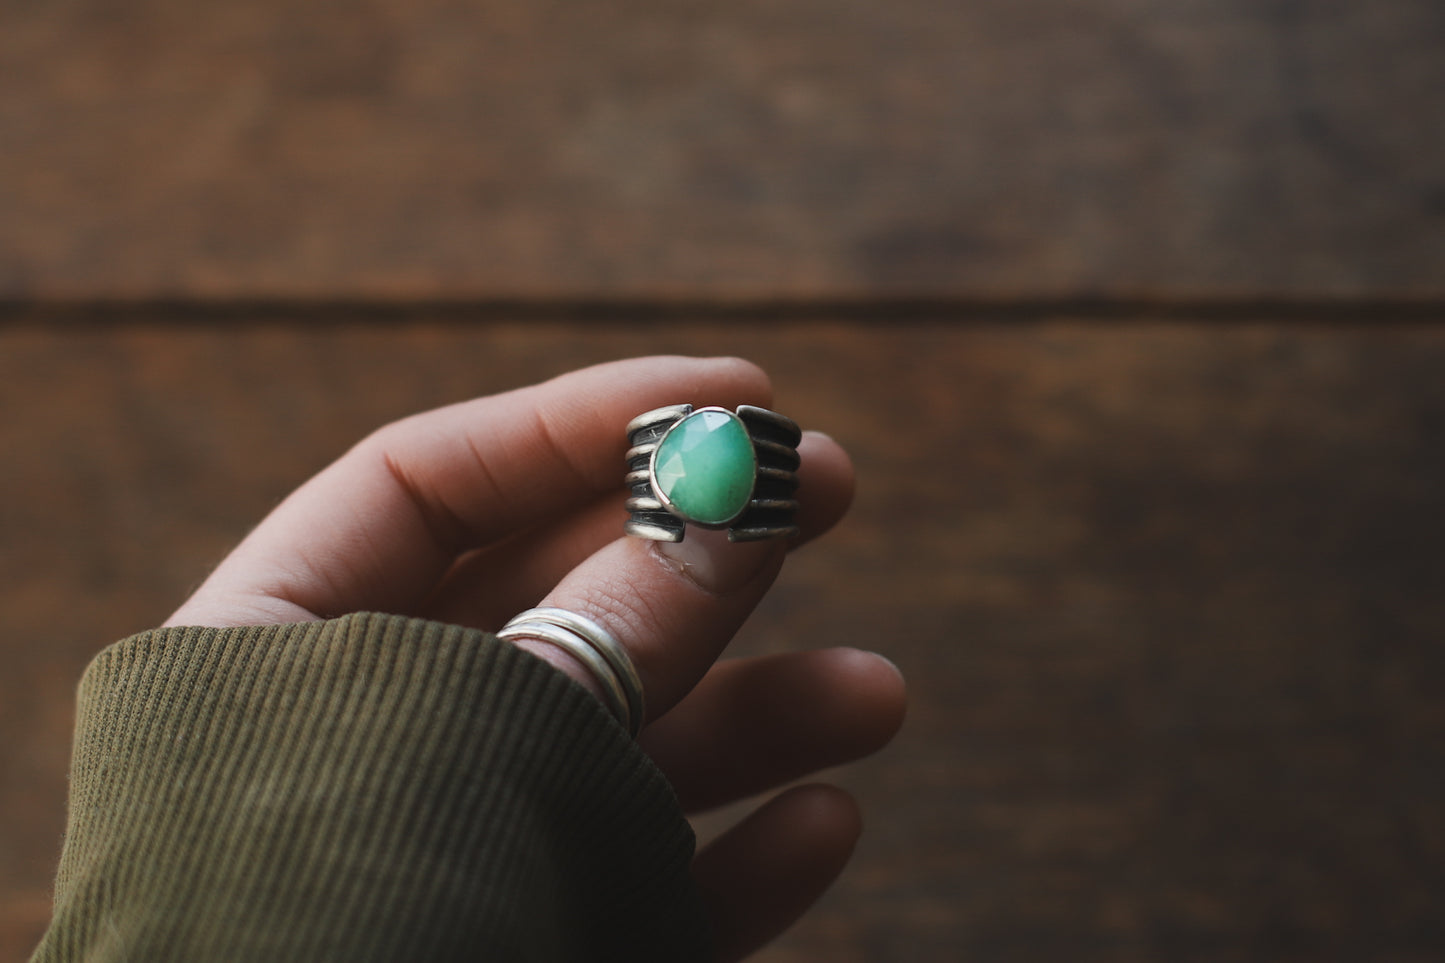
[705,466]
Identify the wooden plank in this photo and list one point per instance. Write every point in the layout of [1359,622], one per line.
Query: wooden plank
[1168,597]
[796,149]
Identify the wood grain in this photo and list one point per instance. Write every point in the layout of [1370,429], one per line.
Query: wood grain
[1167,596]
[794,149]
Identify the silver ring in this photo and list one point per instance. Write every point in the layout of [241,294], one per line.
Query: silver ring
[712,468]
[604,643]
[595,648]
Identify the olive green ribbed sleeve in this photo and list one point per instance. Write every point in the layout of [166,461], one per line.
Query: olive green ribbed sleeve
[367,788]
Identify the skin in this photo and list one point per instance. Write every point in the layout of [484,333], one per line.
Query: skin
[471,513]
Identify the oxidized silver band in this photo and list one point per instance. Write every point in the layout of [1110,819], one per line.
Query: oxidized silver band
[594,647]
[715,469]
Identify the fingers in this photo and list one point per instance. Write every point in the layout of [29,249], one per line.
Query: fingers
[675,606]
[753,724]
[378,528]
[761,875]
[490,585]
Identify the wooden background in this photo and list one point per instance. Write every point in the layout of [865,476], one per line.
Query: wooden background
[1130,312]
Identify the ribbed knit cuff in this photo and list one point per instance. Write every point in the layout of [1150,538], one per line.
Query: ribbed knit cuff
[367,788]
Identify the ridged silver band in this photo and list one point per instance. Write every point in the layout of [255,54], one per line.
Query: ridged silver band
[595,648]
[770,511]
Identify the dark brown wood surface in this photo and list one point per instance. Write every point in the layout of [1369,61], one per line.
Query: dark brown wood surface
[1164,568]
[1168,595]
[797,149]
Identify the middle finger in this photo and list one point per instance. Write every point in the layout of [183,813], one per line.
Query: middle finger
[754,724]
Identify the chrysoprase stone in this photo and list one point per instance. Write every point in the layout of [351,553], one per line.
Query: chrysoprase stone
[705,467]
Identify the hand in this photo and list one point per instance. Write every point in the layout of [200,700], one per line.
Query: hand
[471,513]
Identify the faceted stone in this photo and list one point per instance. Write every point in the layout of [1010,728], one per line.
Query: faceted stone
[704,467]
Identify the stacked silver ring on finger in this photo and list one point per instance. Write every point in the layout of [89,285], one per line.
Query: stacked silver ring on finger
[593,646]
[715,469]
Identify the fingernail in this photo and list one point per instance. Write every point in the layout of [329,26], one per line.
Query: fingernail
[888,662]
[715,564]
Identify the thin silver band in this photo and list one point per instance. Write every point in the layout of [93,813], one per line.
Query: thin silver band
[605,644]
[595,648]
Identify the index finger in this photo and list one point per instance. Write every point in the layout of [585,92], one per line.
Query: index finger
[378,528]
